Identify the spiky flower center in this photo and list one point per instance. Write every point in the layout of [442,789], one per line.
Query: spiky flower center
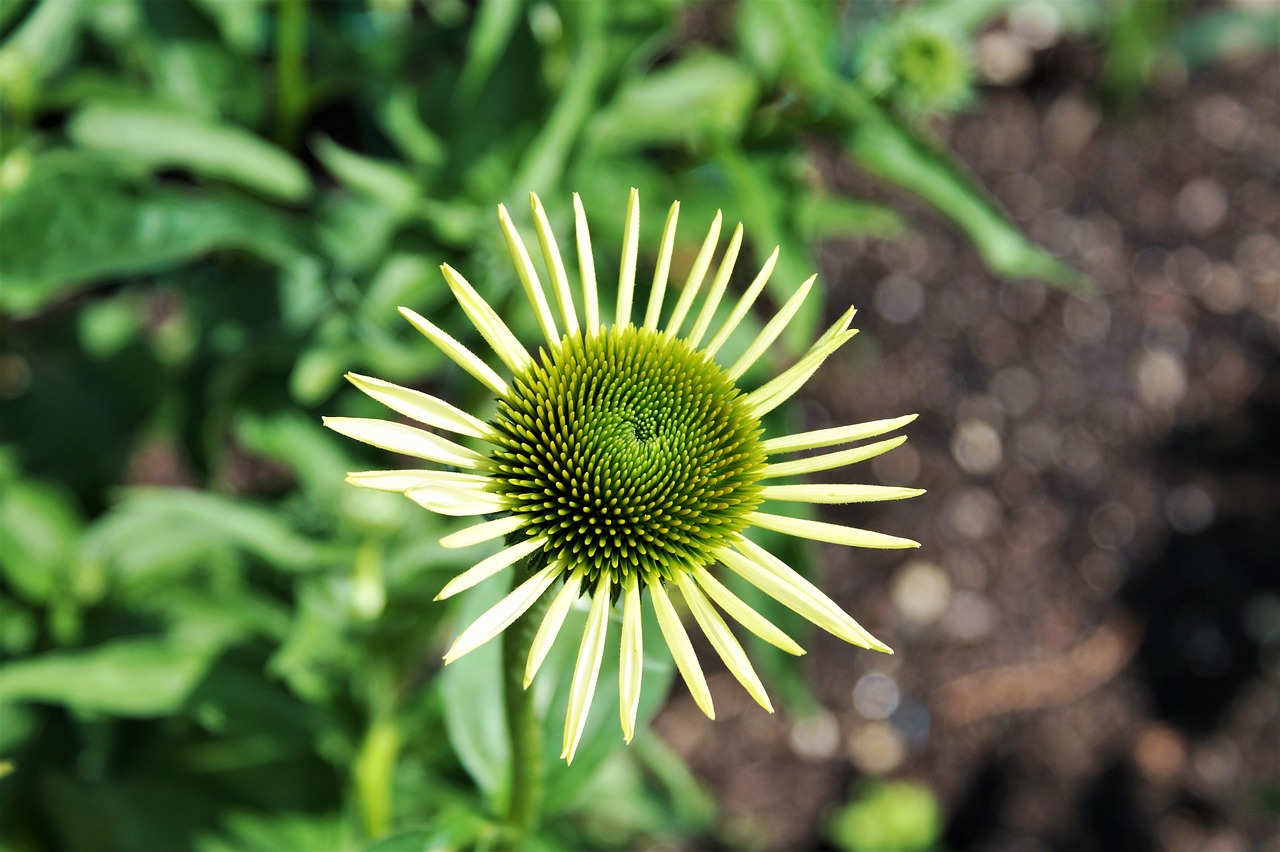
[628,450]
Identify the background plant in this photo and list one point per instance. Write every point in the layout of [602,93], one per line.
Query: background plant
[210,211]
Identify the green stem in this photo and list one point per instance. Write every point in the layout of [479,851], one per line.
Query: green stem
[524,728]
[291,45]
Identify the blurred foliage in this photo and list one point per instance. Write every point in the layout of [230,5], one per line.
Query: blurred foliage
[892,816]
[209,210]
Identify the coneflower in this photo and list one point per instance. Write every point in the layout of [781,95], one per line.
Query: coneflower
[626,463]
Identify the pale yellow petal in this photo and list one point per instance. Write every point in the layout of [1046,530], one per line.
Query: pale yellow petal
[455,501]
[555,265]
[630,254]
[772,394]
[551,624]
[486,568]
[832,533]
[830,461]
[824,493]
[587,671]
[456,352]
[422,407]
[528,276]
[782,583]
[631,665]
[486,320]
[718,285]
[770,332]
[502,614]
[663,270]
[403,480]
[743,305]
[693,283]
[482,532]
[742,613]
[586,267]
[722,639]
[836,435]
[681,648]
[406,440]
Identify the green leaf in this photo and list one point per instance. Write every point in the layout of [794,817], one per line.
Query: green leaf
[158,534]
[896,816]
[40,528]
[491,31]
[387,182]
[62,230]
[824,216]
[697,99]
[259,832]
[455,827]
[37,48]
[891,152]
[161,138]
[124,677]
[398,118]
[1229,34]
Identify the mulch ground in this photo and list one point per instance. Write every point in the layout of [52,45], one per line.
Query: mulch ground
[1088,643]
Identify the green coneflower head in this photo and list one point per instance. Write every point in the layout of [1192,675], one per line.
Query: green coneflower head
[630,452]
[625,462]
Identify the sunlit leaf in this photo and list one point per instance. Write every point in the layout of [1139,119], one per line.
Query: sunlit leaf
[162,138]
[61,232]
[123,677]
[40,528]
[387,182]
[701,97]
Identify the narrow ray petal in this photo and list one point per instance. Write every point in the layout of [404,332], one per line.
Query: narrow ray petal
[459,354]
[482,532]
[833,533]
[782,583]
[693,283]
[742,613]
[587,671]
[486,320]
[631,666]
[586,267]
[422,407]
[404,480]
[663,270]
[837,327]
[743,305]
[486,568]
[551,624]
[501,615]
[769,396]
[454,501]
[824,493]
[406,440]
[722,639]
[555,265]
[718,285]
[830,461]
[837,435]
[770,332]
[681,648]
[528,276]
[630,253]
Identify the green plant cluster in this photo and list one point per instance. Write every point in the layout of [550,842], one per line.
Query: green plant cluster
[210,210]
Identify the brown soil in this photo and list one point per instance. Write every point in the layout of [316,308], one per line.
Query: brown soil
[1088,643]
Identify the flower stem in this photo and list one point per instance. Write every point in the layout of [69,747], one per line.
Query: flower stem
[524,728]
